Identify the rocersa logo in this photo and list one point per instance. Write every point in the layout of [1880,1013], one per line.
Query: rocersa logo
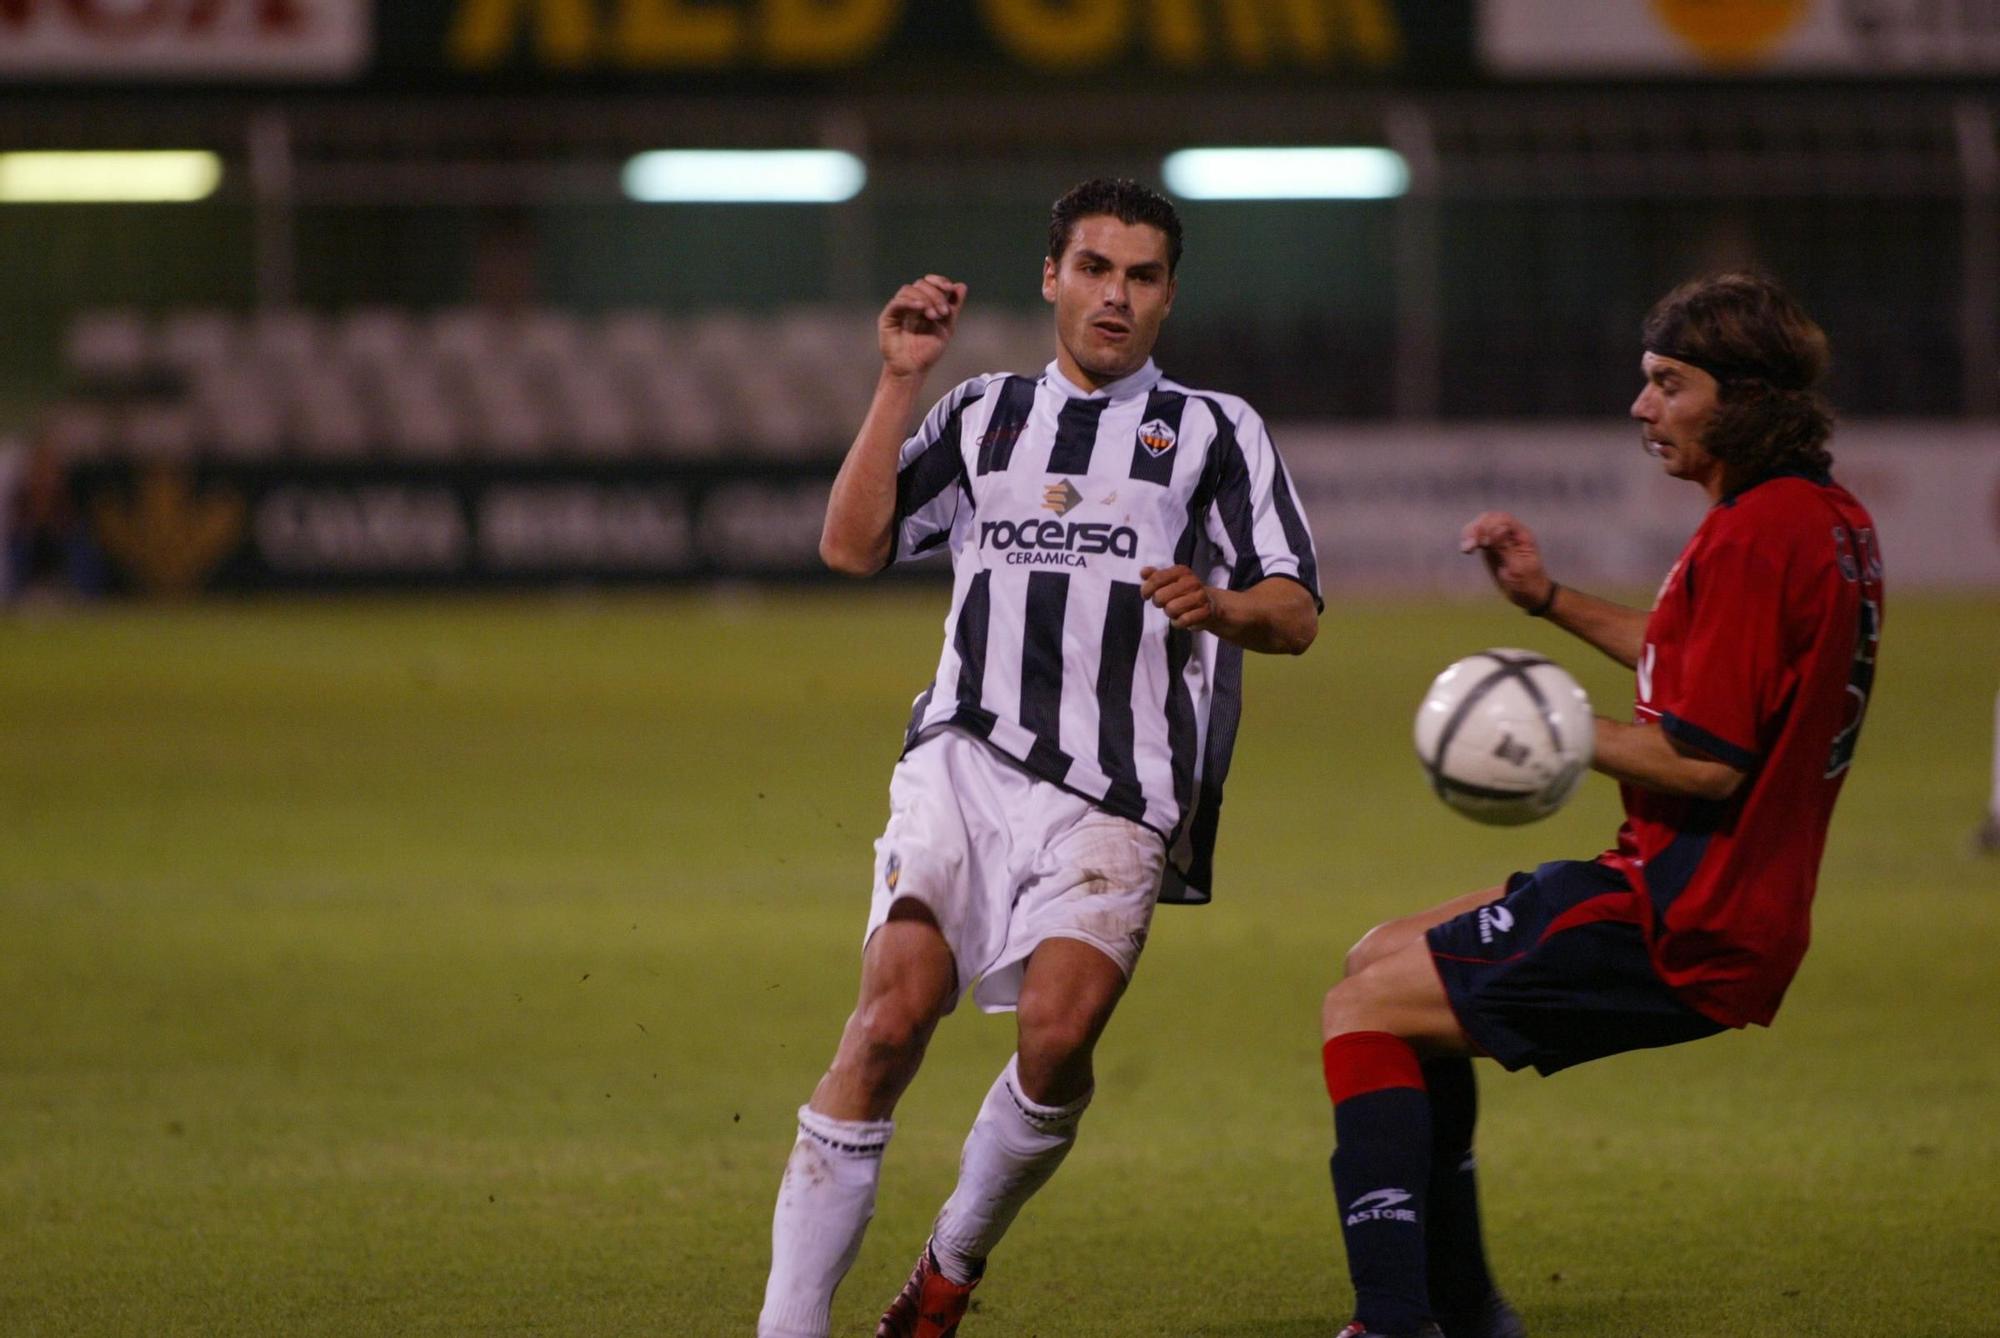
[1732,32]
[1157,436]
[1056,543]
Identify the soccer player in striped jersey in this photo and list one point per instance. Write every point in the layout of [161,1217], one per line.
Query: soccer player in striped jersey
[1118,540]
[1754,668]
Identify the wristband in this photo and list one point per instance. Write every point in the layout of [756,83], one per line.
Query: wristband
[1541,610]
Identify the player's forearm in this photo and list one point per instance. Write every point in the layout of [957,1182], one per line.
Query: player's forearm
[861,509]
[1618,631]
[1645,756]
[1276,616]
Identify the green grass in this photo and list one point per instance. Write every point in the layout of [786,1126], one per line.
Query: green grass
[416,968]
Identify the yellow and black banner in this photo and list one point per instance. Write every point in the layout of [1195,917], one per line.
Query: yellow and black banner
[933,44]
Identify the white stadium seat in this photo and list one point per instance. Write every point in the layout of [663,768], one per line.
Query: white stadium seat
[108,345]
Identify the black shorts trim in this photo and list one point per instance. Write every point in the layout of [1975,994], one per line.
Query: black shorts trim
[1529,992]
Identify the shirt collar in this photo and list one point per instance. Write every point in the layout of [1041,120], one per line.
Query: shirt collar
[1138,383]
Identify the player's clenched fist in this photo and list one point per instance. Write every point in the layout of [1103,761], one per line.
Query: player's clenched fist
[1512,556]
[1180,594]
[917,323]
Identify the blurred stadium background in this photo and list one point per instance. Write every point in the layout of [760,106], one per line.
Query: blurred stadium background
[421,314]
[309,894]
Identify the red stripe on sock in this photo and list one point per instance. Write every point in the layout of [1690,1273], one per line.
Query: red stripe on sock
[1358,1062]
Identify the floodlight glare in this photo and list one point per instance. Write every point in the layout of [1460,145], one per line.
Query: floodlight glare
[748,176]
[174,176]
[1286,174]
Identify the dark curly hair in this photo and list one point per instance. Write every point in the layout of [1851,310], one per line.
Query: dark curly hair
[1123,199]
[1768,359]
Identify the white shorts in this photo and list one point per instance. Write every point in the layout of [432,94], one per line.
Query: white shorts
[1005,860]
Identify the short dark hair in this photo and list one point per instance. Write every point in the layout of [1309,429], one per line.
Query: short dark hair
[1121,198]
[1768,359]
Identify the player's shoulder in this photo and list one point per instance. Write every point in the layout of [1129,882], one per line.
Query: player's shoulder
[1784,522]
[972,387]
[970,391]
[1780,504]
[1232,410]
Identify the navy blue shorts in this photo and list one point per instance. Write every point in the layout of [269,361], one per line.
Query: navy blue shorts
[1526,995]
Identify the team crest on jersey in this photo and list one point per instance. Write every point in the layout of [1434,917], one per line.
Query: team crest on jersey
[1060,497]
[1157,436]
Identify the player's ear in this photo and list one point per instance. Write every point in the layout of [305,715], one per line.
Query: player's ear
[1173,287]
[1048,279]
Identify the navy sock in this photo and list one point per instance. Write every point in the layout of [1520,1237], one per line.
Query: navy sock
[1456,1257]
[1381,1166]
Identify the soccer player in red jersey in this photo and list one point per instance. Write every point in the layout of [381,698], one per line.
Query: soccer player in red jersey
[1754,668]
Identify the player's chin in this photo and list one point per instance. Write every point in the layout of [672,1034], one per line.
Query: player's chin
[1112,360]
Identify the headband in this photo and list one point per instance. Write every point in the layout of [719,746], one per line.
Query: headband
[1725,373]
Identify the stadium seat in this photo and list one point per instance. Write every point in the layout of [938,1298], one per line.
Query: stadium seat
[108,346]
[192,342]
[467,380]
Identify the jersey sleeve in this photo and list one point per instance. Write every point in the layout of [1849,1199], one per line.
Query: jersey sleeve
[929,471]
[1254,519]
[1736,675]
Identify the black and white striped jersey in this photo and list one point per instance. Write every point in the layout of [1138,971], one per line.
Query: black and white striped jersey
[1051,500]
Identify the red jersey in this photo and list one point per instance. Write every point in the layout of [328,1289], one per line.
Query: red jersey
[1760,652]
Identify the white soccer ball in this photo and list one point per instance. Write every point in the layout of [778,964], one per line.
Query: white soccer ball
[1506,736]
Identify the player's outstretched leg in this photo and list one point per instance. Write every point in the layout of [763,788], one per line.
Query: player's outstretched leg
[1015,1146]
[1025,1128]
[1462,1292]
[825,1202]
[1381,1173]
[1374,1022]
[1467,1303]
[828,1193]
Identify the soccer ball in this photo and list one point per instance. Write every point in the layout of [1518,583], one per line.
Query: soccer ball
[1506,736]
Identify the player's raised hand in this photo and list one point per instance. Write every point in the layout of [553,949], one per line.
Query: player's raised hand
[1180,594]
[1512,557]
[917,324]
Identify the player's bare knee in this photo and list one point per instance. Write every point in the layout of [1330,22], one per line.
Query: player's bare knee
[888,1033]
[1367,950]
[1052,1037]
[1053,1078]
[1348,1006]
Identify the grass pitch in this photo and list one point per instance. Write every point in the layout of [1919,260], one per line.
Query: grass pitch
[419,968]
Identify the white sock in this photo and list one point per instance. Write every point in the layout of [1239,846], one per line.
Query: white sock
[1014,1147]
[824,1203]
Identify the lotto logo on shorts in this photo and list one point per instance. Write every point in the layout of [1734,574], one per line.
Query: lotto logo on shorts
[893,873]
[1382,1205]
[1494,921]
